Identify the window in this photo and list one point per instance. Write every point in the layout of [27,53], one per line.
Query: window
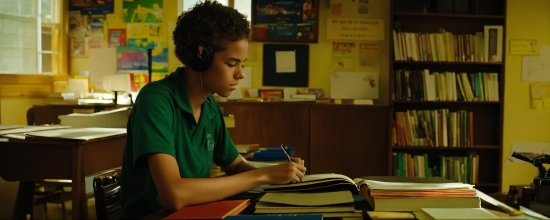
[29,36]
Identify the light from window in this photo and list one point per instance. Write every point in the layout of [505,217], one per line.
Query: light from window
[243,6]
[26,35]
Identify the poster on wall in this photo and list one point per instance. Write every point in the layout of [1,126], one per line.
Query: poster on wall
[285,21]
[95,32]
[142,11]
[159,54]
[370,55]
[131,59]
[89,7]
[116,37]
[343,56]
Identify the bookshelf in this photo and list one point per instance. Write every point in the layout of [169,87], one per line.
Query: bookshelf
[435,124]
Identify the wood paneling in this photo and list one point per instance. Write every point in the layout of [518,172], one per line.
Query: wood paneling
[351,140]
[347,139]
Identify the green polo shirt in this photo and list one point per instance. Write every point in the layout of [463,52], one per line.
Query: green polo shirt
[162,121]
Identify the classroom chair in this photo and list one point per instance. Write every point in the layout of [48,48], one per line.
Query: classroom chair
[107,195]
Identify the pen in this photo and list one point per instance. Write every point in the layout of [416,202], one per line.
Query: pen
[286,153]
[287,156]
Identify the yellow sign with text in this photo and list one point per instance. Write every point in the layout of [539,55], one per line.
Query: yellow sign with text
[524,47]
[355,29]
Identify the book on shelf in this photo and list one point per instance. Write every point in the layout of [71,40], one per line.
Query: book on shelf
[461,214]
[213,210]
[391,193]
[458,169]
[297,202]
[436,127]
[492,41]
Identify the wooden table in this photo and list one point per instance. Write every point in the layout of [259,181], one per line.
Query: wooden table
[28,161]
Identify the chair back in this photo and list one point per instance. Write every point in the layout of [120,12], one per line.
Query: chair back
[107,195]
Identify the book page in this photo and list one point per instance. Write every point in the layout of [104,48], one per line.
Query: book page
[5,127]
[309,199]
[78,133]
[415,186]
[32,128]
[313,179]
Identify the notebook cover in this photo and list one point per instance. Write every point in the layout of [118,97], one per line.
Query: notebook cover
[213,210]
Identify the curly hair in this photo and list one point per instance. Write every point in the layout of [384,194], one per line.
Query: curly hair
[208,24]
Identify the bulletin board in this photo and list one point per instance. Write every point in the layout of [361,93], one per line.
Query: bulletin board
[286,65]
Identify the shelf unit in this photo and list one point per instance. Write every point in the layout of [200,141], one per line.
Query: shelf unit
[421,16]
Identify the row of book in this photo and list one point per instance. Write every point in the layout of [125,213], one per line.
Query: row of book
[434,128]
[445,86]
[462,169]
[445,46]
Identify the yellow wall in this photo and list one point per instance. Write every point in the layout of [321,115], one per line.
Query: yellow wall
[320,53]
[320,58]
[170,13]
[13,110]
[526,19]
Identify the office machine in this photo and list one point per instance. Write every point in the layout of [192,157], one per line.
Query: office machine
[542,180]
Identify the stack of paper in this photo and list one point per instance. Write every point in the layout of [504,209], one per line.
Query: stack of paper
[116,118]
[75,134]
[412,194]
[19,131]
[461,213]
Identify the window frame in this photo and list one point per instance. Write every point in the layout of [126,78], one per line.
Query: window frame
[37,85]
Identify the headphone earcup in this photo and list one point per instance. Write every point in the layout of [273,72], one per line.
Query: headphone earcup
[200,62]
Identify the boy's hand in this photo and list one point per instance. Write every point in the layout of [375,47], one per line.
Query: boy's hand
[285,172]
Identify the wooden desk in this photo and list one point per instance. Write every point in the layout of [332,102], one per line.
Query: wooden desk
[28,161]
[361,206]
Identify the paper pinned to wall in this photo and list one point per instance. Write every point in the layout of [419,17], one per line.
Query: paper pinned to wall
[354,85]
[537,68]
[102,63]
[77,86]
[246,82]
[285,61]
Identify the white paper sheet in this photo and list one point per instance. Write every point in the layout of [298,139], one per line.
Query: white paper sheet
[285,61]
[102,63]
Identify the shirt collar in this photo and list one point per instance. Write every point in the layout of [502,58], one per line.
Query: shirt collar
[182,97]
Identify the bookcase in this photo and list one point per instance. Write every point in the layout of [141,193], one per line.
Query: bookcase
[447,90]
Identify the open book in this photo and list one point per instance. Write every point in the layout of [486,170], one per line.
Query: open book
[321,202]
[319,183]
